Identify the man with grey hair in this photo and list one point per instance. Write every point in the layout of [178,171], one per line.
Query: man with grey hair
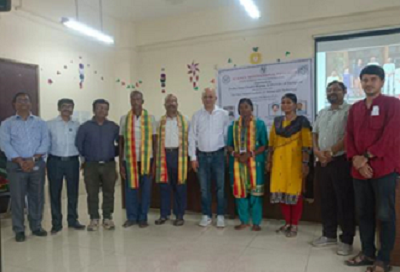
[137,148]
[172,160]
[206,149]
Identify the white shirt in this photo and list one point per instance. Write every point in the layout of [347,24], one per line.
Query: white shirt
[172,132]
[207,132]
[138,133]
[62,137]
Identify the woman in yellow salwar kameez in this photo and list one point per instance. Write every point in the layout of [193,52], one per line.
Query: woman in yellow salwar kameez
[289,152]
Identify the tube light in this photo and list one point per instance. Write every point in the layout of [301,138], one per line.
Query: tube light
[87,30]
[251,8]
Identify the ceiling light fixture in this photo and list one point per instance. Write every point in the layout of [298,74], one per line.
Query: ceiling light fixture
[251,8]
[87,30]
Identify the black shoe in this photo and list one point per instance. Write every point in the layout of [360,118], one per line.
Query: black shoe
[54,230]
[129,223]
[143,225]
[161,221]
[40,232]
[77,226]
[179,222]
[20,237]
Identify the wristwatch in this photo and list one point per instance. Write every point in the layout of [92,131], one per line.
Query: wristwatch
[367,155]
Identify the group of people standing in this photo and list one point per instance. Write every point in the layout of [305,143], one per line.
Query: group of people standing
[357,152]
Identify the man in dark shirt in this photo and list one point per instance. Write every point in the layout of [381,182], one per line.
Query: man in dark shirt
[96,141]
[372,143]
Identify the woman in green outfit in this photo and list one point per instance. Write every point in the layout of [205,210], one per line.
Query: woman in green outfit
[247,141]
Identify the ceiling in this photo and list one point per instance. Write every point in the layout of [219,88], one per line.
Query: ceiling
[140,10]
[126,10]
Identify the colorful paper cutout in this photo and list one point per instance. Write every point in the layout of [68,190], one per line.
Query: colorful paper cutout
[194,74]
[255,57]
[81,75]
[287,53]
[58,73]
[229,60]
[163,80]
[49,81]
[65,67]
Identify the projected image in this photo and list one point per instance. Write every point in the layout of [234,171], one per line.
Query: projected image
[343,60]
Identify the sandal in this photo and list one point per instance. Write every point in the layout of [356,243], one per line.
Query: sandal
[241,226]
[292,232]
[256,228]
[359,260]
[379,266]
[283,229]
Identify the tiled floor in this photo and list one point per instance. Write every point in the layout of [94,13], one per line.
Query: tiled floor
[168,248]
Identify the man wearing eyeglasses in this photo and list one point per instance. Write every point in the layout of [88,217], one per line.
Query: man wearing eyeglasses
[25,141]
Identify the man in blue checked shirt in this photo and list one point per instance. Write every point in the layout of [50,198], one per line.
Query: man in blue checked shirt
[63,162]
[25,141]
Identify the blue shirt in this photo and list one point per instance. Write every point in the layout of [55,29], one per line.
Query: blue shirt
[97,142]
[24,138]
[62,137]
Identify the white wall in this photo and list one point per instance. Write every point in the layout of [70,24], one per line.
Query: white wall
[212,38]
[28,38]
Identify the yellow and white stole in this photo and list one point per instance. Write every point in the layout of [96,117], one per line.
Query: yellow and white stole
[130,147]
[161,162]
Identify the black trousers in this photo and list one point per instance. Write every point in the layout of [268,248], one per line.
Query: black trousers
[337,199]
[376,200]
[57,170]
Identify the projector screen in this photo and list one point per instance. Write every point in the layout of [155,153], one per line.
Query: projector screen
[343,57]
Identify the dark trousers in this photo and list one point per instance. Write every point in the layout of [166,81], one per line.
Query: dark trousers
[57,170]
[179,190]
[375,200]
[100,175]
[26,184]
[137,201]
[337,199]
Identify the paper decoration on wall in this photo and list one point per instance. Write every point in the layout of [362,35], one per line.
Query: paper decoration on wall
[229,60]
[123,83]
[65,67]
[140,82]
[80,57]
[255,57]
[163,80]
[194,72]
[49,81]
[81,75]
[102,78]
[88,65]
[278,60]
[95,72]
[287,53]
[58,73]
[118,80]
[213,81]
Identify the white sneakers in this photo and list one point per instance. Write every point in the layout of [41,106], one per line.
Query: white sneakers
[220,221]
[206,221]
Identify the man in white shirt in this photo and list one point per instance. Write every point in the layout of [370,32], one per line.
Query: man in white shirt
[63,162]
[390,69]
[137,147]
[172,161]
[206,149]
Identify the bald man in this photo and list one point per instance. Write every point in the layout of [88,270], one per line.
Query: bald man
[206,149]
[172,161]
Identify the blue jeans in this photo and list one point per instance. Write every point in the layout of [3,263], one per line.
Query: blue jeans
[375,200]
[212,168]
[136,208]
[179,190]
